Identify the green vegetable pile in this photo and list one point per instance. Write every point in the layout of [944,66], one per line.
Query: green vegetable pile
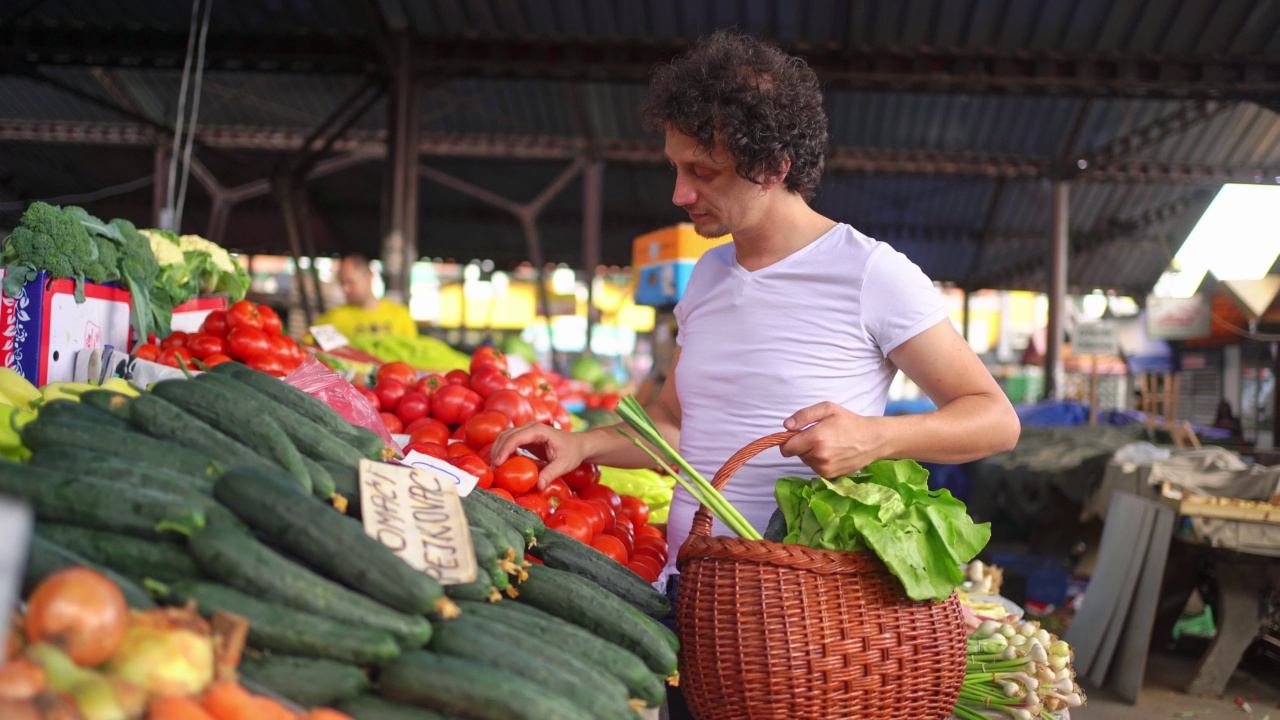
[422,352]
[922,536]
[191,265]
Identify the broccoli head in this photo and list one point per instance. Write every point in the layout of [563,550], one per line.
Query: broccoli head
[47,238]
[136,258]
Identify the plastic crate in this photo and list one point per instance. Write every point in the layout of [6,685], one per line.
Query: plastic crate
[1046,579]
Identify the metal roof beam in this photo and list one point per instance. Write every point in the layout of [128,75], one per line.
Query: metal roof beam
[1187,116]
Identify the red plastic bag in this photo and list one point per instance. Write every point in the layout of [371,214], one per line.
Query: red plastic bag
[318,380]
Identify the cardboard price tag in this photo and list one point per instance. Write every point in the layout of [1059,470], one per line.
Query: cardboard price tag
[417,513]
[463,480]
[328,337]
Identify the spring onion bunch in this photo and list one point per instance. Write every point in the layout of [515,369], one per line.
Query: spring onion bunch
[1020,671]
[633,415]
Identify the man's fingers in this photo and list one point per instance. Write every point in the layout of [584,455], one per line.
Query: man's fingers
[796,446]
[808,416]
[511,440]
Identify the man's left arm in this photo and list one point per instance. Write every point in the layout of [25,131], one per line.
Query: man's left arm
[974,419]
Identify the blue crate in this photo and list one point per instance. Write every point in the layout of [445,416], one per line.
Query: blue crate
[1047,579]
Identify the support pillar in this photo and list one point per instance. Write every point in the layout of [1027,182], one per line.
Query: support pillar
[288,199]
[402,160]
[160,188]
[1057,292]
[592,214]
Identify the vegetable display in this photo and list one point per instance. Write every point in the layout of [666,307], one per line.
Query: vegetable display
[1017,671]
[247,332]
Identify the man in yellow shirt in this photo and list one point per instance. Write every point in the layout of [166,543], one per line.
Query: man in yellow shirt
[365,313]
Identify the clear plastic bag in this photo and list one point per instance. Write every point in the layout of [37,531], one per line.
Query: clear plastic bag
[318,380]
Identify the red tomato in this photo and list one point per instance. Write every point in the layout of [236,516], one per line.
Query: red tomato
[281,346]
[430,430]
[458,434]
[245,341]
[216,360]
[634,509]
[518,475]
[483,428]
[645,567]
[413,406]
[203,345]
[488,381]
[512,404]
[435,450]
[394,426]
[486,453]
[244,314]
[610,402]
[606,511]
[458,449]
[402,371]
[592,513]
[488,356]
[409,427]
[428,384]
[622,522]
[502,494]
[453,404]
[622,536]
[650,530]
[527,384]
[389,391]
[169,356]
[574,524]
[643,542]
[372,397]
[216,323]
[267,363]
[271,324]
[457,377]
[535,504]
[612,547]
[147,351]
[556,492]
[582,476]
[596,491]
[176,339]
[474,465]
[559,416]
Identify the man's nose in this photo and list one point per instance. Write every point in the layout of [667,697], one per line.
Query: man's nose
[684,194]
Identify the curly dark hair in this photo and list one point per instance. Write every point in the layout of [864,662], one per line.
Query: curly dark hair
[761,104]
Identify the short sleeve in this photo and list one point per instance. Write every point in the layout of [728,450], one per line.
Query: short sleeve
[898,300]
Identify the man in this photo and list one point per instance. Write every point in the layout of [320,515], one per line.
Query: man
[800,323]
[365,313]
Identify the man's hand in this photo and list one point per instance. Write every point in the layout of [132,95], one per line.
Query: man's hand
[562,450]
[832,440]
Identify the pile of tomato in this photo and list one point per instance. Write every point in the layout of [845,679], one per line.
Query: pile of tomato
[247,332]
[456,416]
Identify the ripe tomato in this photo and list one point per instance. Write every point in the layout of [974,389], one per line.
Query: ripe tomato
[645,567]
[535,504]
[372,397]
[502,494]
[621,522]
[216,360]
[271,324]
[483,428]
[512,404]
[582,476]
[176,339]
[245,341]
[647,541]
[612,547]
[244,314]
[266,362]
[592,513]
[604,494]
[430,430]
[169,356]
[488,356]
[474,465]
[435,450]
[413,406]
[457,377]
[634,509]
[574,524]
[389,391]
[216,323]
[281,346]
[486,453]
[394,426]
[518,475]
[606,511]
[488,380]
[560,417]
[650,530]
[458,434]
[622,536]
[401,371]
[203,345]
[556,492]
[147,351]
[541,412]
[428,384]
[453,404]
[458,449]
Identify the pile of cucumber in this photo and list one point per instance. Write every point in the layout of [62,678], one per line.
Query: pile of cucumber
[238,493]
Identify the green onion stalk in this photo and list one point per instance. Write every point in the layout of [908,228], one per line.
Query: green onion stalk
[633,415]
[1017,671]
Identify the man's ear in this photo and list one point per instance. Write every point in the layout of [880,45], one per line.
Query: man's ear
[773,179]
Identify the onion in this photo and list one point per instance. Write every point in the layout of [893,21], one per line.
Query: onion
[166,652]
[80,611]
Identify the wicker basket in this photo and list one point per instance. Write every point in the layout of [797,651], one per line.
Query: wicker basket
[772,630]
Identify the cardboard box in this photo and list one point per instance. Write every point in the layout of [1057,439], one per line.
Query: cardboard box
[663,260]
[44,327]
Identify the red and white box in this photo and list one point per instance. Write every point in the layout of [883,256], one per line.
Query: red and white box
[190,315]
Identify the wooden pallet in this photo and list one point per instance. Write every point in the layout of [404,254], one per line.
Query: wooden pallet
[1211,506]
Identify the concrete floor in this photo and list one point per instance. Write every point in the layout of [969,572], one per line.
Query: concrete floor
[1258,683]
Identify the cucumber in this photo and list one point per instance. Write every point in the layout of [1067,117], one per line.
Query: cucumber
[310,682]
[47,558]
[62,409]
[367,442]
[488,559]
[471,690]
[471,639]
[322,485]
[44,433]
[480,590]
[163,420]
[311,440]
[525,522]
[588,647]
[226,412]
[371,707]
[109,401]
[229,553]
[328,541]
[132,557]
[590,606]
[79,461]
[346,482]
[562,552]
[97,504]
[508,542]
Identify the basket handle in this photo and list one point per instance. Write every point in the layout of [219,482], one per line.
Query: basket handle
[702,518]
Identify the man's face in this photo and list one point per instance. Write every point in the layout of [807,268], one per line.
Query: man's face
[709,188]
[357,282]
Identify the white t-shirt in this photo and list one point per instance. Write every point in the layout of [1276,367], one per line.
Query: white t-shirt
[758,346]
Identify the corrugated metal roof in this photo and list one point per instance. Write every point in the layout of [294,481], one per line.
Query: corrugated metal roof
[500,107]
